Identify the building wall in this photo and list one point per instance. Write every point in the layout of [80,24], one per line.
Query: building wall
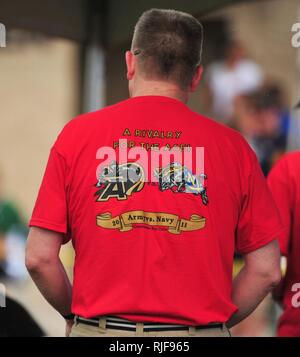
[38,95]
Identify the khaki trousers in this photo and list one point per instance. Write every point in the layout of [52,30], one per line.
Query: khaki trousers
[83,330]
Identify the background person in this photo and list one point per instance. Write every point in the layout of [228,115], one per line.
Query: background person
[284,183]
[225,80]
[262,119]
[12,239]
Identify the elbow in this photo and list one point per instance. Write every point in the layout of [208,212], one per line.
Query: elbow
[264,263]
[32,264]
[275,278]
[267,276]
[272,277]
[42,250]
[35,263]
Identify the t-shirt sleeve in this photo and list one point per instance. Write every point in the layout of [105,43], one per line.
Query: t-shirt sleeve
[259,220]
[50,211]
[280,185]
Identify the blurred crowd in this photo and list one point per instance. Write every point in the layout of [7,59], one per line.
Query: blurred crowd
[13,233]
[239,95]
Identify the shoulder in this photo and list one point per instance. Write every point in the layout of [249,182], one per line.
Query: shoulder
[285,169]
[287,165]
[84,122]
[228,143]
[292,157]
[220,131]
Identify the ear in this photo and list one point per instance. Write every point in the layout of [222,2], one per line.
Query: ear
[196,79]
[130,63]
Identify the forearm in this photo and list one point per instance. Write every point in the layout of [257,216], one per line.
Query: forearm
[54,284]
[249,289]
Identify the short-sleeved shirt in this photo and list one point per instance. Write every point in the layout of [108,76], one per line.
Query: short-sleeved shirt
[152,247]
[285,186]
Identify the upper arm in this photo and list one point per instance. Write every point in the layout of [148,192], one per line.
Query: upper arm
[51,207]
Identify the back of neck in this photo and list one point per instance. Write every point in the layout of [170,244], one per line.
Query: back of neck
[156,88]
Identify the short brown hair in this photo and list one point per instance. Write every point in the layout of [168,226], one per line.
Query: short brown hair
[169,43]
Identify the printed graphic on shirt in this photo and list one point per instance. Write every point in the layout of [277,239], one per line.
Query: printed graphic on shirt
[144,138]
[152,220]
[120,181]
[178,178]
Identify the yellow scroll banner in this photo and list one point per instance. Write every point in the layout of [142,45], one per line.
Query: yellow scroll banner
[173,223]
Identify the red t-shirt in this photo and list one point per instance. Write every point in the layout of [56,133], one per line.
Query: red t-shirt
[156,251]
[285,186]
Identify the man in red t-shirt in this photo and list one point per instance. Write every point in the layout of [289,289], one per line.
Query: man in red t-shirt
[156,200]
[284,183]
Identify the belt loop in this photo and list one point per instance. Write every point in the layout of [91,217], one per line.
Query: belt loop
[192,330]
[139,329]
[102,325]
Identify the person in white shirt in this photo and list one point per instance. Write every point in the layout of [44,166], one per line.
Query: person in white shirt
[236,75]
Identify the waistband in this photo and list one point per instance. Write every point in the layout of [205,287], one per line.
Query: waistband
[116,323]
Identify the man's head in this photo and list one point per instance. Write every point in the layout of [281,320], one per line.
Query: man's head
[166,47]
